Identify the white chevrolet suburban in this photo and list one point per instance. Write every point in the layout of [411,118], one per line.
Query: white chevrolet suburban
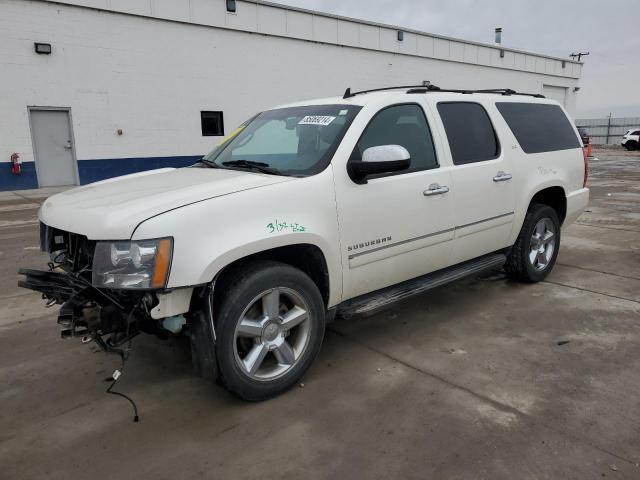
[334,206]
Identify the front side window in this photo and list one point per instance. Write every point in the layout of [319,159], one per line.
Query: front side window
[297,141]
[469,131]
[403,125]
[539,127]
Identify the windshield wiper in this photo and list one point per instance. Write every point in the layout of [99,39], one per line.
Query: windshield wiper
[248,164]
[208,163]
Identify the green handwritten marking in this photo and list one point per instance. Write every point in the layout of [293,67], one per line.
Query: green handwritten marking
[279,226]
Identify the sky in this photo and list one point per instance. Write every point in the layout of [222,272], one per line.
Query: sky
[608,29]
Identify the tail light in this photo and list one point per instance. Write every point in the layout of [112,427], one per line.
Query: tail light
[586,167]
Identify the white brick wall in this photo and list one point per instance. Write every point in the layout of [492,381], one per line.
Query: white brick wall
[151,77]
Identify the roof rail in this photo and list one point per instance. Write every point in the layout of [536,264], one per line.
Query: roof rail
[348,93]
[433,88]
[499,91]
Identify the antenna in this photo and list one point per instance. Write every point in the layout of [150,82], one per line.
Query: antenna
[578,55]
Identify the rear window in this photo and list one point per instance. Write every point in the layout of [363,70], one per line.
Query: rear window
[469,131]
[539,127]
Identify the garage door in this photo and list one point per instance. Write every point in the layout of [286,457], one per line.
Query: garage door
[555,93]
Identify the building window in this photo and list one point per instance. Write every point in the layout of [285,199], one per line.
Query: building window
[212,124]
[231,6]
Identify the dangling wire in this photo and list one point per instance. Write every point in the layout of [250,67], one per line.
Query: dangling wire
[124,354]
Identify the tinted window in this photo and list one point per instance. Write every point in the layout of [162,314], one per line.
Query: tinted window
[469,131]
[539,127]
[403,125]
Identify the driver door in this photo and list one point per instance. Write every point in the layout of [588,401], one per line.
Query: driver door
[396,226]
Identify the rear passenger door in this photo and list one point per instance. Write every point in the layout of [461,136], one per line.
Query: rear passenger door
[484,199]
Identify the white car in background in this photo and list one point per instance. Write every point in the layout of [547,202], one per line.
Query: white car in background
[327,207]
[631,139]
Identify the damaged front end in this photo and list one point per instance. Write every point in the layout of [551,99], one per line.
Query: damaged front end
[112,316]
[110,292]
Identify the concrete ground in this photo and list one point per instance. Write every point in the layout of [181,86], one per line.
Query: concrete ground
[481,379]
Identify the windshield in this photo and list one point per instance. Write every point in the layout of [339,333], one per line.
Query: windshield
[298,141]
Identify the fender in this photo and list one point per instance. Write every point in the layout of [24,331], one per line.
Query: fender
[521,208]
[262,245]
[211,234]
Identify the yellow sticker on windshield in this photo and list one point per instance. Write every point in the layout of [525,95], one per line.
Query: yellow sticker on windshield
[231,135]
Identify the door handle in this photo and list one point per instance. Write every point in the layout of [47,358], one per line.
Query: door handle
[435,189]
[502,177]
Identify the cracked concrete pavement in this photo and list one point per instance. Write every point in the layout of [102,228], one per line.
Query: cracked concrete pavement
[484,378]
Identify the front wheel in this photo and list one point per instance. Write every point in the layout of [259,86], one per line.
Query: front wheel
[270,325]
[536,249]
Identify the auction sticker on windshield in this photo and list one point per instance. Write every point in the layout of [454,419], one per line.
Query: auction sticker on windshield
[322,120]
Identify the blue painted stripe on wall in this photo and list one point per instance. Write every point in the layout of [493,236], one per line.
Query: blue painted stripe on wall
[26,180]
[93,170]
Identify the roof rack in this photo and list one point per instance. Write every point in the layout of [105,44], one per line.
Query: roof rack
[411,89]
[498,91]
[348,93]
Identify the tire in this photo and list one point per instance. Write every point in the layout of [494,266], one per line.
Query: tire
[264,343]
[631,145]
[523,263]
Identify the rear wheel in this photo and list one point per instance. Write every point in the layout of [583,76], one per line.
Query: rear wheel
[536,249]
[270,326]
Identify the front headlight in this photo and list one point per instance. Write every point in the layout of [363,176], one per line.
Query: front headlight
[139,264]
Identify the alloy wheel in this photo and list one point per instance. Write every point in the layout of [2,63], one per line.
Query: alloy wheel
[543,244]
[272,334]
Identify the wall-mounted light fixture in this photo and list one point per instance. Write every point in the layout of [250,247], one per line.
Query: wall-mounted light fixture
[564,64]
[42,48]
[501,53]
[400,35]
[231,6]
[576,89]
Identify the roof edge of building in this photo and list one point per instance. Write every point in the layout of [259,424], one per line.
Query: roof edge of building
[314,13]
[408,30]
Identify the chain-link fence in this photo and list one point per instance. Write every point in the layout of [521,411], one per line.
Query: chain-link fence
[608,131]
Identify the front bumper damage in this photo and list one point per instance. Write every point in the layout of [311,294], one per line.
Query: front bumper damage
[112,318]
[90,312]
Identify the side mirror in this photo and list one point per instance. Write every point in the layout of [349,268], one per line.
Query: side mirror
[376,160]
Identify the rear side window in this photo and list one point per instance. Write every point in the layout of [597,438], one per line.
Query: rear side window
[539,127]
[403,125]
[469,131]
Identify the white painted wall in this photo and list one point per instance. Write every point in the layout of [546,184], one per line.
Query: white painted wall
[152,77]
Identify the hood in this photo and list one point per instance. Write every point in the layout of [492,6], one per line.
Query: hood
[112,209]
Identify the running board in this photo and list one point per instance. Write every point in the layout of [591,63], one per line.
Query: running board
[371,303]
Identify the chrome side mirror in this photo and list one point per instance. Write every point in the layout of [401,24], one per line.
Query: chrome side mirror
[381,159]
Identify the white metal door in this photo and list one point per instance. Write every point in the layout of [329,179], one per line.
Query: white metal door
[484,207]
[556,93]
[53,147]
[482,175]
[396,227]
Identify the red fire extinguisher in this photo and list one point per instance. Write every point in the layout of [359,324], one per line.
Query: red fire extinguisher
[16,163]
